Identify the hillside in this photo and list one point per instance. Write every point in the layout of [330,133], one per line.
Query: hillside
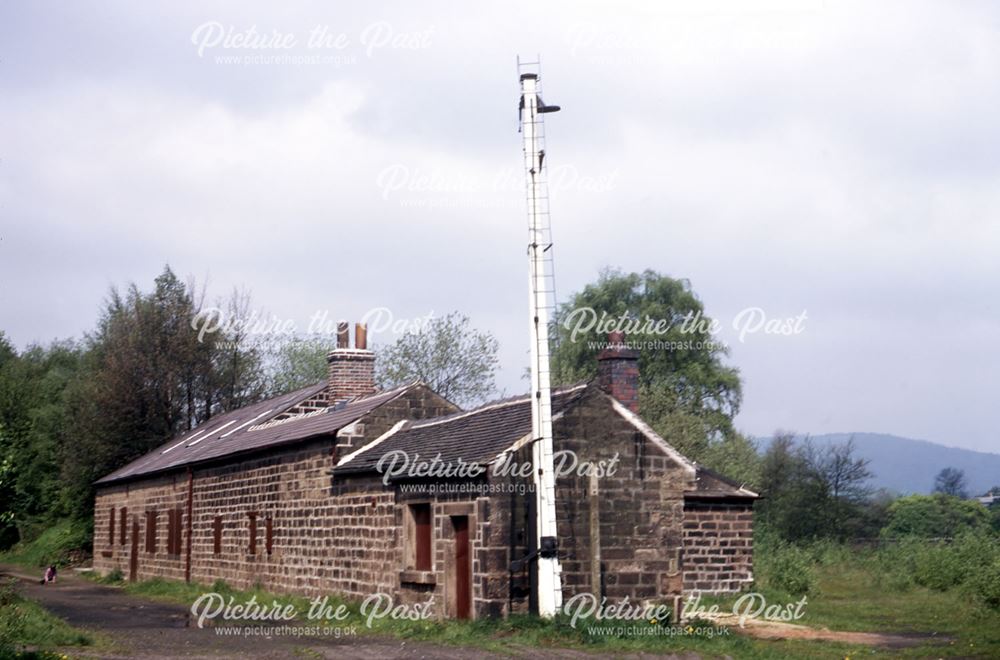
[905,465]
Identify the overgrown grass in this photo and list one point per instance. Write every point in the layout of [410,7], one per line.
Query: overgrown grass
[26,625]
[61,544]
[928,590]
[969,564]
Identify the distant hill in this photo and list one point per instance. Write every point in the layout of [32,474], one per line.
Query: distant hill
[905,466]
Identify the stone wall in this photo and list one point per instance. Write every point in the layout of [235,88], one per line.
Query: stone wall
[286,490]
[628,534]
[419,402]
[620,535]
[634,550]
[344,541]
[439,582]
[718,546]
[134,503]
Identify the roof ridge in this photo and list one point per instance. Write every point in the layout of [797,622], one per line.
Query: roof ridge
[499,403]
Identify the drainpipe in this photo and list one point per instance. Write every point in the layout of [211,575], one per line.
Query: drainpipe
[190,526]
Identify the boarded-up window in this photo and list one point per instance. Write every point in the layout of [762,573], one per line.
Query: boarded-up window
[180,533]
[178,517]
[175,517]
[151,531]
[121,532]
[111,527]
[268,535]
[170,531]
[419,537]
[217,536]
[252,547]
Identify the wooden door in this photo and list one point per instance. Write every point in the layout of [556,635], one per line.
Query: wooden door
[133,558]
[463,568]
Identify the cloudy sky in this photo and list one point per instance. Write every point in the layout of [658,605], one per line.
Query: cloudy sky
[833,159]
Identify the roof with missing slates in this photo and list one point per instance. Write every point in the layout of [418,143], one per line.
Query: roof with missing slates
[246,429]
[474,437]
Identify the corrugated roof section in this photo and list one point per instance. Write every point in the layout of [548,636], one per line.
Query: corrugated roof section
[246,429]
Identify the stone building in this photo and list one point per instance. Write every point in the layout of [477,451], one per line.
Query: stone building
[337,488]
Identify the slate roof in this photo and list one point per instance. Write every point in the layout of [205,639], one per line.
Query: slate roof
[246,429]
[710,485]
[474,437]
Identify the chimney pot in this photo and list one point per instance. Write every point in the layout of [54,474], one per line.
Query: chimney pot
[343,341]
[350,371]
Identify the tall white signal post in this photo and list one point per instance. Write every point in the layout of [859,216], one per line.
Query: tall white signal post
[542,292]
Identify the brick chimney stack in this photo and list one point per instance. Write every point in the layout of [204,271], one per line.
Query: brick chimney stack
[618,371]
[351,371]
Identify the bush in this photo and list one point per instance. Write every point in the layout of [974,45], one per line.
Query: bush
[938,565]
[934,516]
[828,552]
[986,585]
[785,567]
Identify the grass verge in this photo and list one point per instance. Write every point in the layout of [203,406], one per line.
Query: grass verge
[60,544]
[27,630]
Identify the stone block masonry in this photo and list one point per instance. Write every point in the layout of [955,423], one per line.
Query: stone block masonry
[718,547]
[279,519]
[319,543]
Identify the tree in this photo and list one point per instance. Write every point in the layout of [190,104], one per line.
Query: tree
[239,372]
[8,510]
[297,363]
[844,479]
[452,358]
[934,516]
[686,392]
[735,456]
[72,411]
[812,491]
[32,432]
[788,499]
[951,481]
[151,374]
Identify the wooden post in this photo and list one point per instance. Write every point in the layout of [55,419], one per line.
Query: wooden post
[593,493]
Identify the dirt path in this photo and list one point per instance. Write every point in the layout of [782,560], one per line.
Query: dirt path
[147,629]
[763,629]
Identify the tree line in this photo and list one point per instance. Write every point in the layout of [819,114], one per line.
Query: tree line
[691,396]
[74,410]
